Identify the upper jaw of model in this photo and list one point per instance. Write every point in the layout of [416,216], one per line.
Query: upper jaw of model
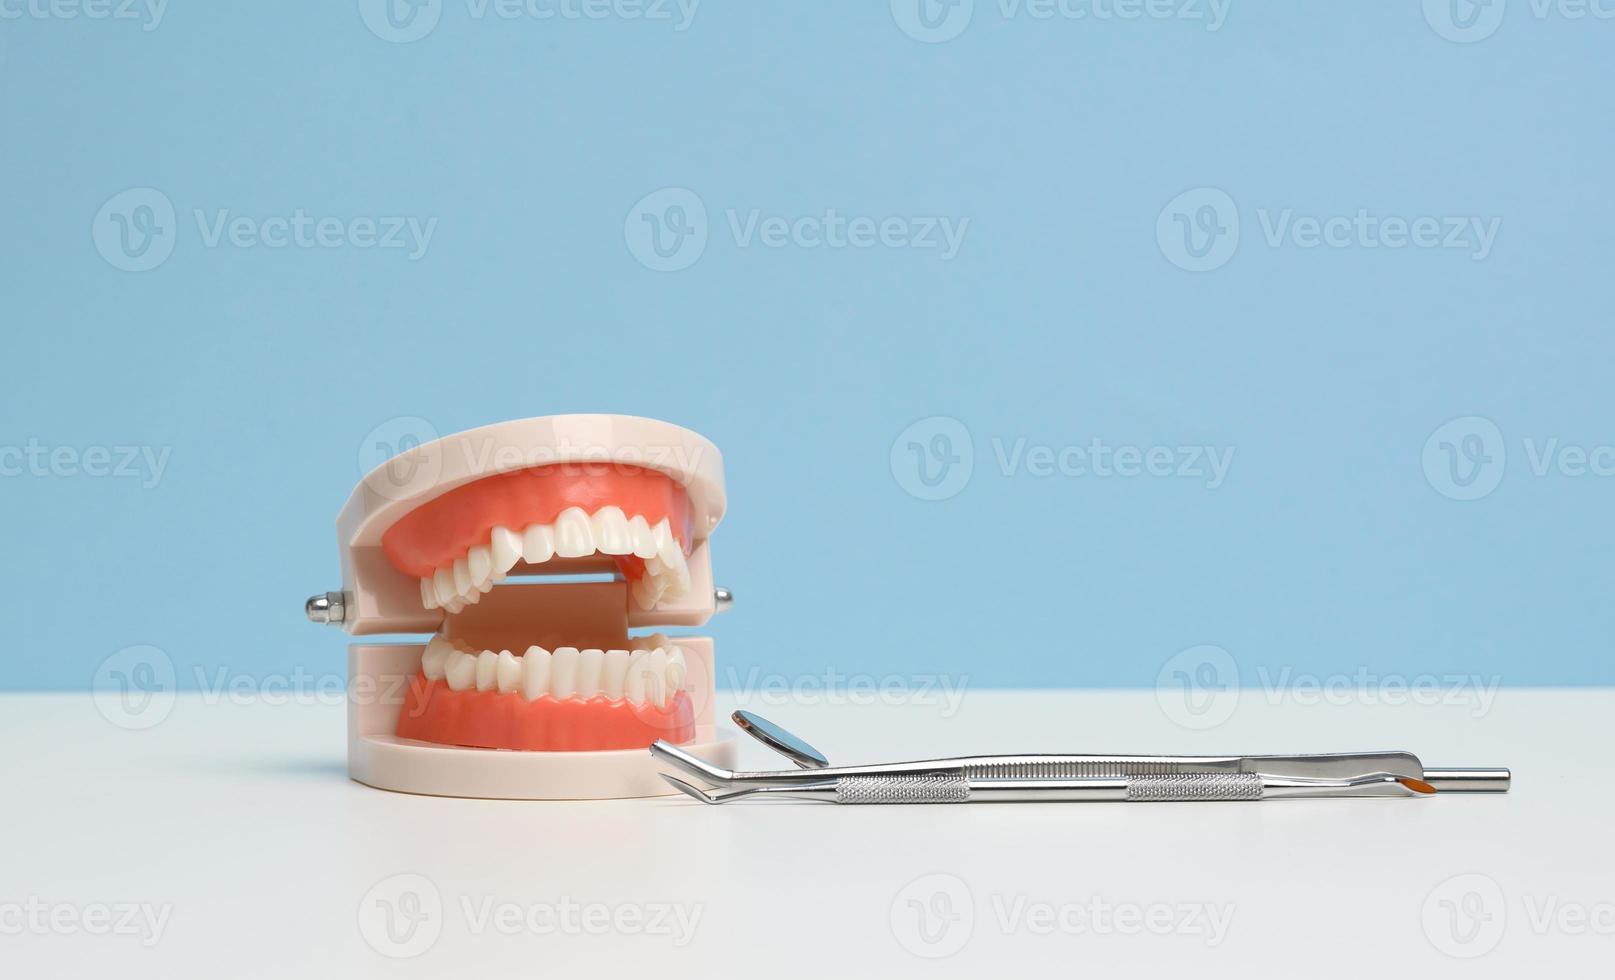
[449,536]
[461,544]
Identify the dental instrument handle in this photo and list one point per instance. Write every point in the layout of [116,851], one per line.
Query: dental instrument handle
[954,787]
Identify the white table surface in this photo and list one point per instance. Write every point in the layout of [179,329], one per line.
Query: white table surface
[233,827]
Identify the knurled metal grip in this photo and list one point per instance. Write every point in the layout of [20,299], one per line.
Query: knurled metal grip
[931,788]
[1188,787]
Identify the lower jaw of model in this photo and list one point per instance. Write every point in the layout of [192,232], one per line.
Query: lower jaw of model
[553,667]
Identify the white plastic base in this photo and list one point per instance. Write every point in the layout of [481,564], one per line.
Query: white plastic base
[377,757]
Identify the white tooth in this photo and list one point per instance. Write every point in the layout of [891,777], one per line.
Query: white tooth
[462,577]
[663,533]
[564,672]
[590,664]
[454,605]
[611,531]
[636,677]
[436,657]
[574,538]
[656,679]
[487,664]
[538,544]
[678,670]
[460,671]
[646,592]
[613,672]
[428,593]
[676,588]
[644,540]
[443,584]
[507,672]
[505,548]
[479,561]
[672,558]
[535,673]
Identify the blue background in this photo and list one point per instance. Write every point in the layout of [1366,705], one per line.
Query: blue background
[1328,548]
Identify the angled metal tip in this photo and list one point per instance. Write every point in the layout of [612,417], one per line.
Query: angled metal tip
[688,790]
[692,764]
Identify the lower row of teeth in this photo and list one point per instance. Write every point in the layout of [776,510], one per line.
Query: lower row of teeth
[652,674]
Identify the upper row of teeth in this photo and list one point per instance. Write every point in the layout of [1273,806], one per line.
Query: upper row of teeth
[575,534]
[650,675]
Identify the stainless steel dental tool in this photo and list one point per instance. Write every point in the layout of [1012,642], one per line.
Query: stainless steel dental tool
[1070,778]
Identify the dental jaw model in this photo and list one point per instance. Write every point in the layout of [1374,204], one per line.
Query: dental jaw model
[527,688]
